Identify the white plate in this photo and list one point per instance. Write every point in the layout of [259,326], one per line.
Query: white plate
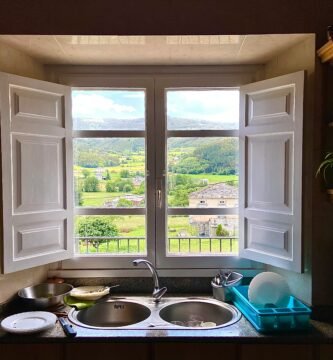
[269,288]
[29,322]
[89,292]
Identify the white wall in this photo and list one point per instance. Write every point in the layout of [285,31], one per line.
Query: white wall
[15,62]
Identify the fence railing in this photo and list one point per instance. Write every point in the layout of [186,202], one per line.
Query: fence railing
[197,244]
[176,245]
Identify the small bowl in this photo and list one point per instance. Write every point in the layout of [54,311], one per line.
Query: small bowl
[43,296]
[90,292]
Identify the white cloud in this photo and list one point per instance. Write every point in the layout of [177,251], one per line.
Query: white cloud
[213,105]
[97,107]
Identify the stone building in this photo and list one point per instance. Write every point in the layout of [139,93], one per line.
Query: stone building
[220,195]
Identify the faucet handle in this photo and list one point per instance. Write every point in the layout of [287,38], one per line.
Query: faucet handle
[158,293]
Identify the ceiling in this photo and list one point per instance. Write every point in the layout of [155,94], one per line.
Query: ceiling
[153,50]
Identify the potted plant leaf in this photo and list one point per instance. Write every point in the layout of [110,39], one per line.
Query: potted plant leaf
[325,168]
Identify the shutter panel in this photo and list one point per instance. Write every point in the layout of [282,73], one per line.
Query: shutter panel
[36,165]
[271,125]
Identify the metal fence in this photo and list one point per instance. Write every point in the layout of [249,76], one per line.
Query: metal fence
[176,245]
[202,245]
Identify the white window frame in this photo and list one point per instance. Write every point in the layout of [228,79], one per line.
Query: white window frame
[221,77]
[102,261]
[206,261]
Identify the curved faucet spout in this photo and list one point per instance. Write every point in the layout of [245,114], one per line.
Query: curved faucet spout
[158,292]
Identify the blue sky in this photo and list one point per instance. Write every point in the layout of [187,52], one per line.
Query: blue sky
[212,105]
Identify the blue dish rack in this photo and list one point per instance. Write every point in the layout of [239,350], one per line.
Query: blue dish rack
[295,316]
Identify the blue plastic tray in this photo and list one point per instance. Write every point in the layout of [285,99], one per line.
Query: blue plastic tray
[296,316]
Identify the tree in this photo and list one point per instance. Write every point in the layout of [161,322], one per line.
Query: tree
[221,231]
[86,173]
[141,189]
[110,186]
[95,227]
[220,156]
[124,174]
[78,196]
[127,188]
[107,176]
[122,184]
[190,165]
[124,203]
[180,198]
[91,184]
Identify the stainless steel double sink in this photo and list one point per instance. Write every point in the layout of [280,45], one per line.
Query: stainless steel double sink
[143,313]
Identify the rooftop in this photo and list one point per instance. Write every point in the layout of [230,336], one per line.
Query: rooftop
[216,191]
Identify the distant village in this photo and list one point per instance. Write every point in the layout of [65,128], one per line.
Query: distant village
[218,195]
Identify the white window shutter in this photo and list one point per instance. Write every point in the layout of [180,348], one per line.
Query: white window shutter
[36,149]
[271,126]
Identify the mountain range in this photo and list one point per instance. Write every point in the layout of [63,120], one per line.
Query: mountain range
[174,123]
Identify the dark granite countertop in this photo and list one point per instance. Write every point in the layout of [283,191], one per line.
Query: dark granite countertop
[240,332]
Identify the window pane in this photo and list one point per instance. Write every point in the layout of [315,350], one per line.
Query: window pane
[202,235]
[108,109]
[202,109]
[109,172]
[202,172]
[110,234]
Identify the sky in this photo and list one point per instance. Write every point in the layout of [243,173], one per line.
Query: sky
[212,105]
[105,104]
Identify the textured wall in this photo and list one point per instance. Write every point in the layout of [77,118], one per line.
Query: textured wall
[15,62]
[149,17]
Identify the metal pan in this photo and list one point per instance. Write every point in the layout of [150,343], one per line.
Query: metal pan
[44,296]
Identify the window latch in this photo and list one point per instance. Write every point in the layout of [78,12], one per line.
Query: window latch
[159,193]
[159,198]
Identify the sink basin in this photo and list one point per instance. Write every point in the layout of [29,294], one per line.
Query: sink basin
[112,314]
[143,313]
[199,313]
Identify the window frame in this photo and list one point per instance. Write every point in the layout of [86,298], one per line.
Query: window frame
[196,261]
[122,260]
[225,76]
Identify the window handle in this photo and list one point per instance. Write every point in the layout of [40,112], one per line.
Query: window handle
[159,198]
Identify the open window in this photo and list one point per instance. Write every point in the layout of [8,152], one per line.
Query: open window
[37,171]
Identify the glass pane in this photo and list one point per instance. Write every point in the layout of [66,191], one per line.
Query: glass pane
[202,172]
[202,109]
[108,109]
[110,234]
[109,172]
[202,235]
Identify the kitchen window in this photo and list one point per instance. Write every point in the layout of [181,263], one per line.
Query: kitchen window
[114,167]
[156,175]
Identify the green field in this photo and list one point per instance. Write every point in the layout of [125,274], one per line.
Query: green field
[213,179]
[97,199]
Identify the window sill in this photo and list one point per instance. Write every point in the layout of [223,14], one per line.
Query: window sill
[177,273]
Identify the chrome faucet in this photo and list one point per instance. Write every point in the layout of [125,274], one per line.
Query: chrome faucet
[158,292]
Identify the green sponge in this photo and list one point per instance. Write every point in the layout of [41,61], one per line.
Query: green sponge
[78,304]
